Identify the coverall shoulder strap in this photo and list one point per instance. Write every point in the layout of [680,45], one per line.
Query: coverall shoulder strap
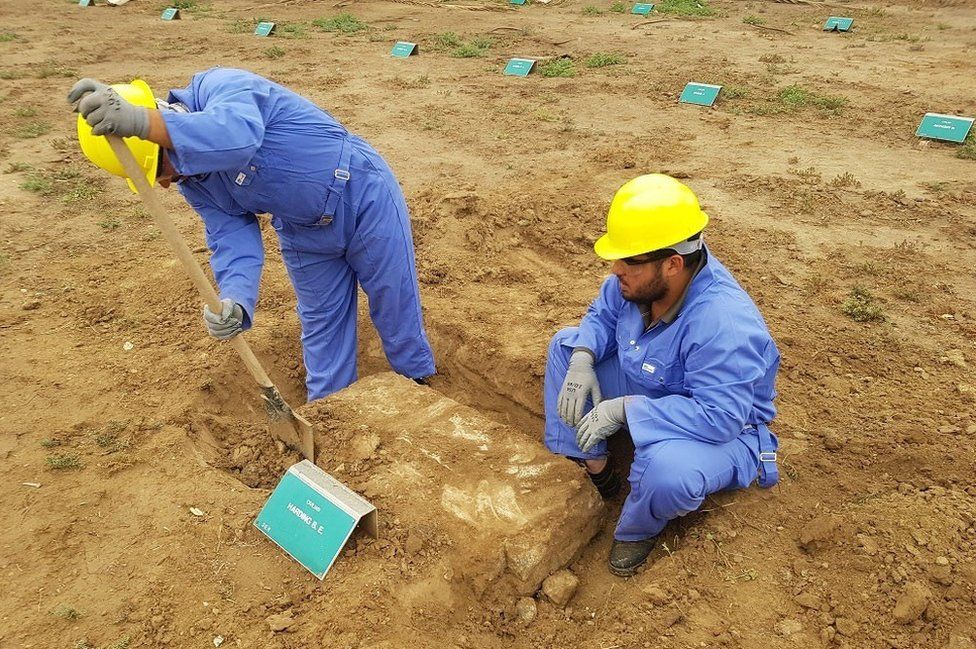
[768,471]
[339,177]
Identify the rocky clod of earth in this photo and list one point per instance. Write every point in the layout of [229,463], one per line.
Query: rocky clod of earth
[912,602]
[820,532]
[560,587]
[481,509]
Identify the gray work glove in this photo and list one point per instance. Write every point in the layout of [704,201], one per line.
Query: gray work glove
[579,384]
[226,324]
[107,112]
[601,422]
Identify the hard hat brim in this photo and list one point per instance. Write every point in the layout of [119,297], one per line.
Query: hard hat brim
[606,248]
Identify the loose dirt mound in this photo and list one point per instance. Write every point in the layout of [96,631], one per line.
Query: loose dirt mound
[856,240]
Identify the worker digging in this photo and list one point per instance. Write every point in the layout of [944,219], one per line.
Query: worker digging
[673,350]
[238,145]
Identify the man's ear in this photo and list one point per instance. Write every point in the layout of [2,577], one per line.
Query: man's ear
[674,265]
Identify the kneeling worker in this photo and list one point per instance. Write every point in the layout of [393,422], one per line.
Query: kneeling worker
[238,145]
[673,350]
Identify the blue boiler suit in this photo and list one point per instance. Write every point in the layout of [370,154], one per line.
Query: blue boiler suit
[699,394]
[249,146]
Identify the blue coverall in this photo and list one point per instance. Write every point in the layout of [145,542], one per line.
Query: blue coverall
[699,395]
[249,146]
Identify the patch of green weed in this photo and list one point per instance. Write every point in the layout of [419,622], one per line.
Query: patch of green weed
[734,92]
[31,130]
[10,75]
[754,20]
[274,52]
[618,7]
[28,111]
[590,10]
[67,612]
[697,8]
[50,69]
[796,96]
[558,68]
[603,59]
[968,149]
[6,37]
[63,461]
[292,30]
[447,39]
[50,443]
[111,223]
[344,23]
[471,49]
[862,306]
[15,167]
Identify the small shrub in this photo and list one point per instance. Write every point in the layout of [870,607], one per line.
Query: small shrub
[734,92]
[697,8]
[274,52]
[32,130]
[52,69]
[10,75]
[344,23]
[15,167]
[618,7]
[63,461]
[968,149]
[66,612]
[590,10]
[6,37]
[50,443]
[558,68]
[292,30]
[475,48]
[29,111]
[861,306]
[183,5]
[110,224]
[754,20]
[38,184]
[603,59]
[447,39]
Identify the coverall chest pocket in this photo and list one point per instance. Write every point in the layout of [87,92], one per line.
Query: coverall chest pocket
[663,377]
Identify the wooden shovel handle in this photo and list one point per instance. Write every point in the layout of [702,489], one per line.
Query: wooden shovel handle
[190,265]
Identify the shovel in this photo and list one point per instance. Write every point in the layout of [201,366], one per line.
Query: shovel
[288,426]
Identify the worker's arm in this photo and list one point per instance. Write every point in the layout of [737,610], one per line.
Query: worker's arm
[236,252]
[597,331]
[721,371]
[225,125]
[158,132]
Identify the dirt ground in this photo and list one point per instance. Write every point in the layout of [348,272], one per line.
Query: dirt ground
[857,241]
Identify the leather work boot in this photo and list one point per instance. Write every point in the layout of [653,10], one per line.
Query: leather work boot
[607,482]
[627,556]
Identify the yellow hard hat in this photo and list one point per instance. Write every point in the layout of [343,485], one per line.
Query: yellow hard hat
[146,153]
[649,213]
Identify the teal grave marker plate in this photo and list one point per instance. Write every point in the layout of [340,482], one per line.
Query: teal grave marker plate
[403,49]
[702,94]
[171,13]
[86,3]
[264,29]
[950,128]
[310,515]
[516,2]
[519,67]
[642,9]
[838,24]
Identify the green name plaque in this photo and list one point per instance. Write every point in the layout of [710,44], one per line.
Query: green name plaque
[310,515]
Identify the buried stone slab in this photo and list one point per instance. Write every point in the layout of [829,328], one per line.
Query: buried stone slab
[498,512]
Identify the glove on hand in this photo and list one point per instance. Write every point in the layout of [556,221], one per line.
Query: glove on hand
[580,382]
[107,112]
[228,323]
[601,422]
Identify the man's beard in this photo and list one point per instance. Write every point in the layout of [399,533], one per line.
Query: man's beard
[648,293]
